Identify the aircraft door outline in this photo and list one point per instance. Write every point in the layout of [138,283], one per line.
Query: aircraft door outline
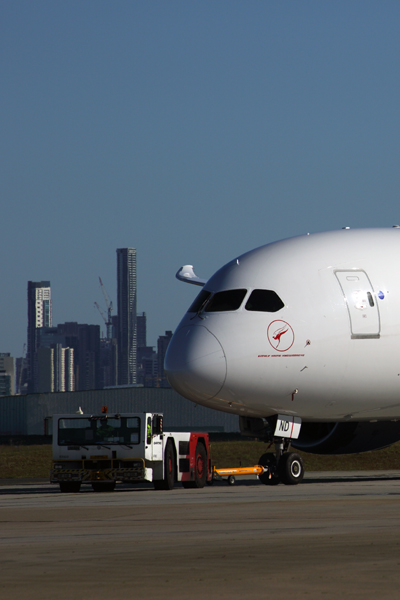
[361,303]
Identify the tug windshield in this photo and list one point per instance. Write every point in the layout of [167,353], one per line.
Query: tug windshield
[93,431]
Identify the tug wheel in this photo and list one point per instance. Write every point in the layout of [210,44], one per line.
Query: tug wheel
[169,466]
[200,469]
[169,469]
[200,466]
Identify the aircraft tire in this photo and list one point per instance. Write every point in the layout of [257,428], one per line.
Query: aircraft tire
[291,468]
[70,487]
[267,460]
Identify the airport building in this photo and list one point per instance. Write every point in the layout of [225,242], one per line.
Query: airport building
[26,415]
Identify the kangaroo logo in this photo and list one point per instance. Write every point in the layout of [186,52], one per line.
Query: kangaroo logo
[280,335]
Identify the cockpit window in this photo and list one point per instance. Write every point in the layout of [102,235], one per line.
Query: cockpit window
[264,301]
[199,301]
[224,301]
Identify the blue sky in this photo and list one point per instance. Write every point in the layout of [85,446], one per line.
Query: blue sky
[192,131]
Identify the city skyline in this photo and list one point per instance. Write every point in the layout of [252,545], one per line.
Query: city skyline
[46,318]
[75,356]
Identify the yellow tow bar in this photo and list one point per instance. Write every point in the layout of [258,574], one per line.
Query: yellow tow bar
[231,473]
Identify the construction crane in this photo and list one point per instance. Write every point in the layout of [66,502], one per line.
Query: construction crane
[108,320]
[103,316]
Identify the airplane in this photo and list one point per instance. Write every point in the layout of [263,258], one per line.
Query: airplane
[301,339]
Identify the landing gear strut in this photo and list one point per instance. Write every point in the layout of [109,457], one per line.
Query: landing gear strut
[282,466]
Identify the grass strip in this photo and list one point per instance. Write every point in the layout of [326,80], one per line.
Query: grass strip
[35,461]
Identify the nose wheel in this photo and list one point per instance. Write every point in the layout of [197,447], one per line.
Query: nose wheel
[291,468]
[287,468]
[271,476]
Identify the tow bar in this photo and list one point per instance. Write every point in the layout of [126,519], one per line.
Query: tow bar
[219,474]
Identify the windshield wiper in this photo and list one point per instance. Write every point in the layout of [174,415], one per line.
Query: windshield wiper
[201,308]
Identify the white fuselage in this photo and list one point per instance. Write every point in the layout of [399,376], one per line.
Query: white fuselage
[330,353]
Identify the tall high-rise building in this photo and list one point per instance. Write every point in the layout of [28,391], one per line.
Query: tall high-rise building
[89,357]
[7,368]
[45,370]
[141,330]
[76,357]
[69,369]
[127,326]
[147,366]
[162,345]
[39,315]
[108,362]
[55,369]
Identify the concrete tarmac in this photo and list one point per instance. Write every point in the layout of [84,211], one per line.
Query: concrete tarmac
[336,535]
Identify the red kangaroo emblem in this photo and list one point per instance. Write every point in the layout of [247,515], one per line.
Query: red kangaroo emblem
[278,334]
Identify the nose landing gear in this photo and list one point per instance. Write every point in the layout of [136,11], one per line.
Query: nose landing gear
[281,466]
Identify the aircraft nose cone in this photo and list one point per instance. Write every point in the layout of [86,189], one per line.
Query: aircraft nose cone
[195,363]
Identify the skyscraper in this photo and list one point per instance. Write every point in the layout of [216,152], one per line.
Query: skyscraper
[162,345]
[56,369]
[7,368]
[39,315]
[141,330]
[127,326]
[76,357]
